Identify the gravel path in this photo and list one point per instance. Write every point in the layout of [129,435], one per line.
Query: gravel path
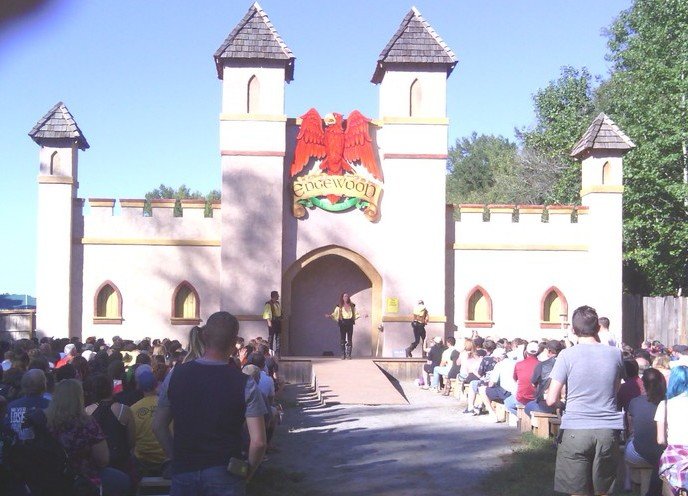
[426,447]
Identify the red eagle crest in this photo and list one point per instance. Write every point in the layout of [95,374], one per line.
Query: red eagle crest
[336,144]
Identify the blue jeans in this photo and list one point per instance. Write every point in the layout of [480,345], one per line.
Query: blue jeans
[213,481]
[114,482]
[510,403]
[437,371]
[534,406]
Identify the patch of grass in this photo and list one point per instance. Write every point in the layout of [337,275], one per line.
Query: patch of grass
[528,471]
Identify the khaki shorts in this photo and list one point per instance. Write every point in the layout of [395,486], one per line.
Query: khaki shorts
[587,461]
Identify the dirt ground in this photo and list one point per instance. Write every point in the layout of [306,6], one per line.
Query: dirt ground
[426,447]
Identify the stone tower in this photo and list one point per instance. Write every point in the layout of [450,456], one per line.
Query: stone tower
[412,72]
[601,151]
[253,64]
[60,140]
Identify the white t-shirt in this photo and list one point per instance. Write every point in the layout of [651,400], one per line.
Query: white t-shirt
[607,337]
[677,427]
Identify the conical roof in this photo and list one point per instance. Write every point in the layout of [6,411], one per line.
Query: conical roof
[415,42]
[58,124]
[255,38]
[602,134]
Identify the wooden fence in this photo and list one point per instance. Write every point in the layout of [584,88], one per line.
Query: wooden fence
[17,324]
[664,318]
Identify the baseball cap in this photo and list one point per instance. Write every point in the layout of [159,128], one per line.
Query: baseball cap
[68,348]
[145,381]
[88,354]
[437,339]
[532,348]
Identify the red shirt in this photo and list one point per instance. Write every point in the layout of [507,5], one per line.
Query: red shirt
[523,372]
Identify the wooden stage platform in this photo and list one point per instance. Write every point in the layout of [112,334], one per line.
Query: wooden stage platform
[368,381]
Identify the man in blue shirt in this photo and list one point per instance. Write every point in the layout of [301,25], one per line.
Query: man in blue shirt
[33,385]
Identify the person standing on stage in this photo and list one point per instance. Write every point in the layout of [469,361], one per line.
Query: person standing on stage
[345,315]
[272,313]
[420,319]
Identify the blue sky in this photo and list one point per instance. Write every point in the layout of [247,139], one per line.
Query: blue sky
[140,80]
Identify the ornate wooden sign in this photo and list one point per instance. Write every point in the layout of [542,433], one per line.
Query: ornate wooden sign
[342,146]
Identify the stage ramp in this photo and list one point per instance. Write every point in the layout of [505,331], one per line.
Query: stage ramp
[357,382]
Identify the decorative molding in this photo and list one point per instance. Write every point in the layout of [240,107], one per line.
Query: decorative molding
[249,318]
[416,156]
[105,320]
[132,203]
[193,203]
[181,321]
[478,324]
[254,117]
[437,121]
[163,203]
[148,242]
[45,179]
[553,325]
[601,188]
[101,202]
[519,247]
[432,319]
[251,153]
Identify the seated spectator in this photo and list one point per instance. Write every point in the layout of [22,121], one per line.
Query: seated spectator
[523,372]
[148,453]
[116,422]
[449,355]
[679,355]
[661,363]
[67,371]
[69,354]
[434,358]
[11,384]
[82,438]
[195,347]
[501,384]
[33,384]
[631,387]
[672,429]
[642,447]
[540,380]
[485,368]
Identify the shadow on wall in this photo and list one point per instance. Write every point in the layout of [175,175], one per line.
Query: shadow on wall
[315,291]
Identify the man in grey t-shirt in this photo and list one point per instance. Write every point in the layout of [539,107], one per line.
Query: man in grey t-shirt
[588,452]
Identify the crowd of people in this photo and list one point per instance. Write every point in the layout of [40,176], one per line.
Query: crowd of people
[606,393]
[94,417]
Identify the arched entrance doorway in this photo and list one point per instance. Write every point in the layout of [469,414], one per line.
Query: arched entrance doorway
[312,287]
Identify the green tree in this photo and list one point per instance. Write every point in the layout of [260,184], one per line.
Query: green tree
[646,96]
[180,193]
[563,111]
[476,167]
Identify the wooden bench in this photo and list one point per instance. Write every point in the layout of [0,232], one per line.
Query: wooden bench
[154,486]
[540,424]
[523,421]
[500,410]
[554,426]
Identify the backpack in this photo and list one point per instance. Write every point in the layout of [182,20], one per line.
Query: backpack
[42,463]
[115,434]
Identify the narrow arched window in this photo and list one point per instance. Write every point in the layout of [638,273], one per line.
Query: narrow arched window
[54,163]
[606,173]
[186,305]
[107,304]
[414,98]
[478,308]
[253,96]
[553,309]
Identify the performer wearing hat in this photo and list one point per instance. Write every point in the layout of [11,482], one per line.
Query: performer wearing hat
[420,318]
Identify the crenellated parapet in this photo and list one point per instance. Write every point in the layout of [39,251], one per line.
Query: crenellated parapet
[520,227]
[104,221]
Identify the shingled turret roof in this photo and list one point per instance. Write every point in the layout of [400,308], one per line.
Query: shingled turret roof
[58,124]
[255,38]
[415,42]
[602,134]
